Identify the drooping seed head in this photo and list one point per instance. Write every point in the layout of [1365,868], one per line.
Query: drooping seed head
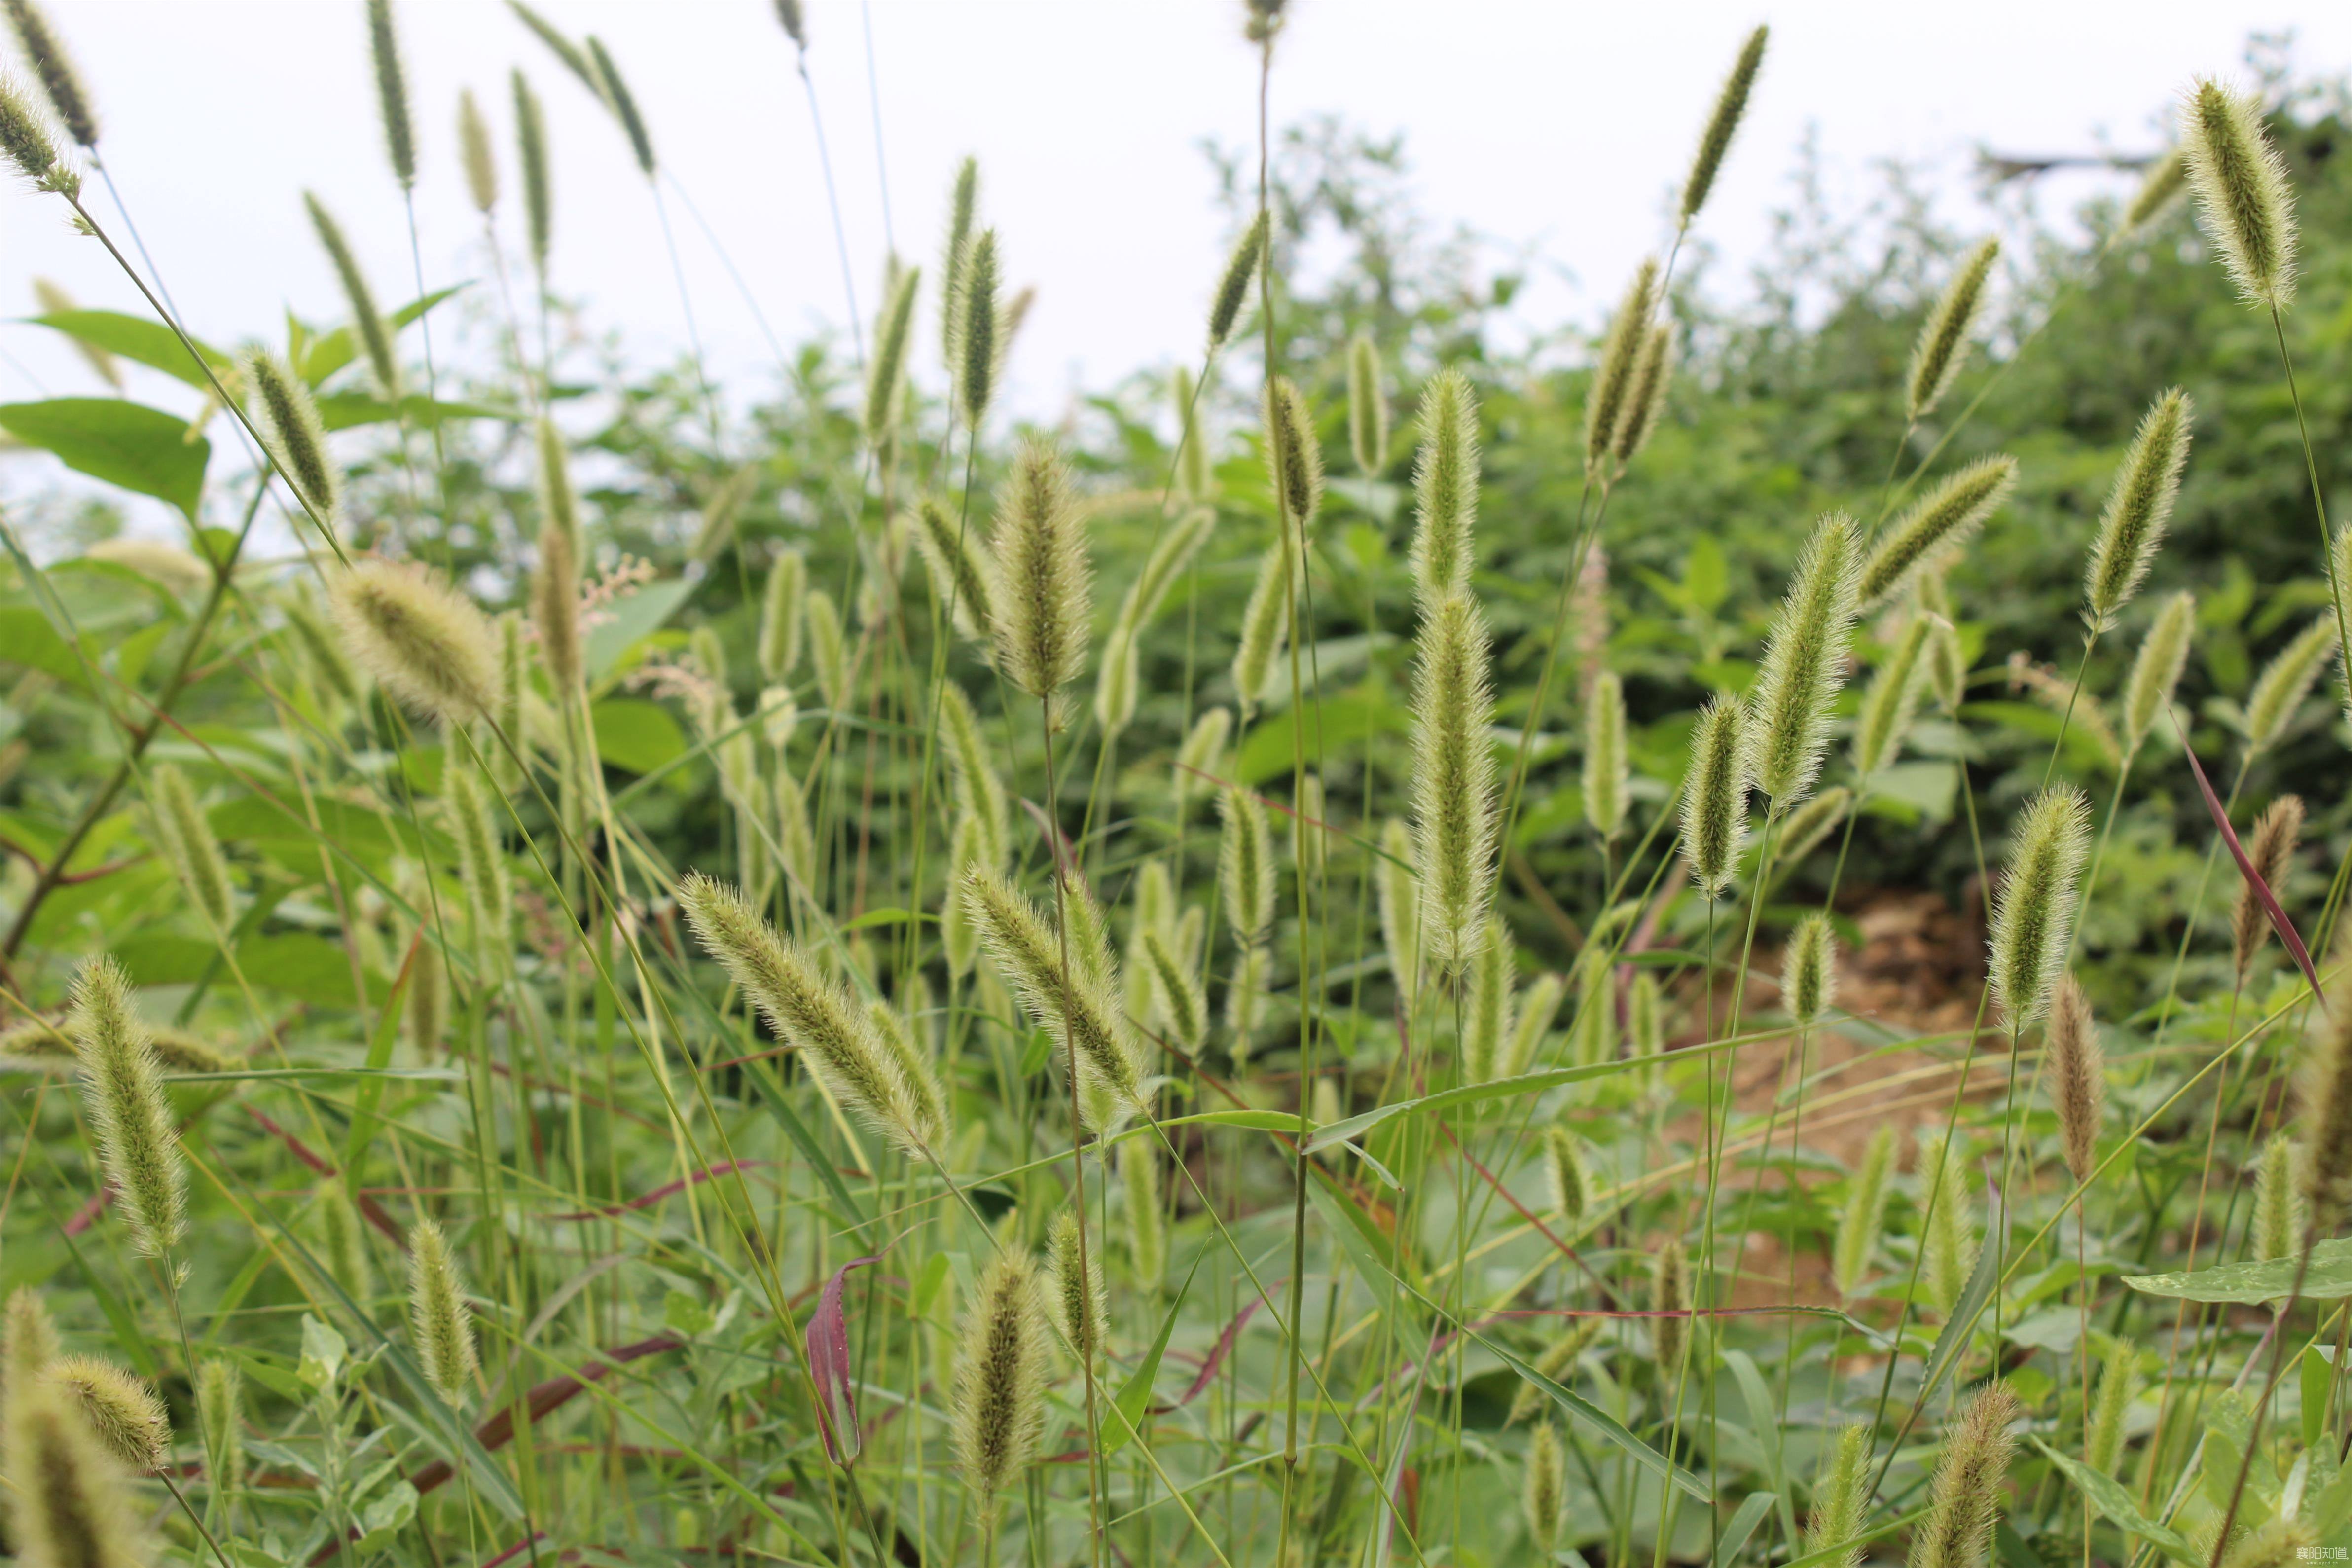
[1177,991]
[1646,397]
[1195,463]
[828,646]
[123,1413]
[2324,1097]
[1071,1002]
[1265,621]
[1244,866]
[1564,1169]
[1861,1218]
[537,183]
[2276,833]
[979,792]
[1934,528]
[1233,284]
[28,144]
[1670,1299]
[1399,899]
[1612,375]
[2278,1225]
[573,58]
[1890,700]
[963,205]
[481,165]
[1244,995]
[1605,777]
[2078,1076]
[368,325]
[2159,187]
[53,68]
[1445,488]
[298,441]
[2118,1386]
[1943,342]
[1199,760]
[1368,407]
[2033,912]
[1841,1502]
[902,1031]
[2286,680]
[555,611]
[68,1503]
[962,572]
[1075,1281]
[885,373]
[979,327]
[220,1416]
[2131,528]
[1715,798]
[959,934]
[438,1317]
[1809,971]
[2243,201]
[1039,543]
[1716,141]
[1171,552]
[1537,1008]
[391,92]
[185,835]
[1000,1380]
[2156,671]
[1965,1498]
[781,601]
[30,1340]
[1293,453]
[1806,828]
[122,1085]
[1786,726]
[1544,1491]
[617,98]
[1452,784]
[1147,1229]
[1488,1018]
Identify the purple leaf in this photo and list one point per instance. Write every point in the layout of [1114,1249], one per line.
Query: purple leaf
[828,1354]
[2261,888]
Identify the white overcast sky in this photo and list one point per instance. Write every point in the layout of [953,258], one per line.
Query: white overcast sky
[1559,130]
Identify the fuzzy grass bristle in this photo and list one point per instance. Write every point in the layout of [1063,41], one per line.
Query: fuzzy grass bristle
[474,153]
[1809,971]
[828,650]
[1605,777]
[1453,786]
[68,1508]
[615,91]
[1890,700]
[2272,851]
[1614,374]
[1965,1496]
[391,92]
[1368,407]
[1488,1018]
[54,68]
[298,440]
[1245,865]
[1544,1491]
[437,1315]
[2156,669]
[375,334]
[964,574]
[1040,547]
[2279,691]
[28,144]
[2279,1214]
[1943,342]
[1074,1281]
[424,642]
[1861,1217]
[183,832]
[1445,488]
[2078,1076]
[979,328]
[124,1413]
[1070,1000]
[1786,726]
[1670,1324]
[999,1402]
[1730,104]
[1265,621]
[885,371]
[1293,453]
[2243,199]
[2033,911]
[122,1084]
[1233,283]
[531,160]
[1841,1502]
[2139,505]
[1936,527]
[2166,179]
[1714,797]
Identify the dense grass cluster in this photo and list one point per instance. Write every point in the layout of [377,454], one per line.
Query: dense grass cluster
[1013,995]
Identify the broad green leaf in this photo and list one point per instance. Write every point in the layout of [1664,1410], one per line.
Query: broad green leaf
[138,339]
[142,449]
[634,616]
[2329,1279]
[26,638]
[1135,1396]
[636,734]
[2111,1498]
[1742,1525]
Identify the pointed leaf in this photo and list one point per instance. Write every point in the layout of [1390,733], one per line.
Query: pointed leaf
[143,450]
[2113,1499]
[138,339]
[2329,1279]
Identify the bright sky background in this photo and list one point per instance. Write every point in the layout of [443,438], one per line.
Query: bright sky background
[1559,130]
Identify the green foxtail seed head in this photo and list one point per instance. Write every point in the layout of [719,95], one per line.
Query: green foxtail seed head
[617,98]
[2033,911]
[1040,546]
[1716,141]
[1195,473]
[2272,851]
[1244,866]
[1943,336]
[1073,1003]
[2156,671]
[885,373]
[220,1415]
[780,603]
[1445,488]
[26,143]
[1861,1218]
[559,503]
[1000,1380]
[1265,620]
[538,185]
[127,1419]
[425,1016]
[391,92]
[1147,1228]
[816,1016]
[828,646]
[1545,1490]
[1787,712]
[1293,453]
[1714,797]
[61,84]
[1201,760]
[185,835]
[1965,1498]
[1605,777]
[2138,506]
[1593,1029]
[2118,1386]
[1233,285]
[2286,680]
[2243,200]
[298,441]
[2278,1225]
[2077,1069]
[474,152]
[183,1052]
[1176,992]
[902,1035]
[438,1317]
[1537,1008]
[424,642]
[794,23]
[963,204]
[1670,1299]
[2159,187]
[555,611]
[980,326]
[2324,1094]
[1809,971]
[481,865]
[1399,896]
[1950,1236]
[1453,787]
[1368,407]
[1934,528]
[343,1241]
[1244,993]
[1074,1279]
[574,59]
[795,842]
[959,935]
[1571,1184]
[1645,398]
[962,572]
[1613,376]
[1555,1362]
[68,1505]
[1646,1020]
[1308,826]
[1489,1020]
[1172,551]
[1889,701]
[1807,827]
[367,324]
[2276,1543]
[122,1085]
[31,1341]
[1841,1502]
[979,792]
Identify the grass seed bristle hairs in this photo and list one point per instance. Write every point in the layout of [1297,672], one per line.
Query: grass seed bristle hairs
[1787,710]
[885,373]
[818,1018]
[1546,1488]
[181,830]
[220,1416]
[2278,1224]
[1445,488]
[1081,1303]
[2272,851]
[1000,1380]
[1948,1205]
[2118,1386]
[2159,187]
[125,1414]
[1147,1228]
[2156,671]
[1400,898]
[1488,1018]
[1861,1218]
[1716,141]
[622,102]
[298,441]
[2243,200]
[1841,1502]
[30,1340]
[1645,398]
[979,325]
[2138,506]
[555,613]
[2034,910]
[1233,284]
[424,642]
[1453,786]
[1963,1499]
[2078,1076]
[1040,546]
[1887,704]
[780,603]
[61,84]
[979,792]
[1943,336]
[1201,760]
[1075,1004]
[122,1083]
[1538,1007]
[1245,865]
[1613,375]
[2324,1099]
[964,205]
[367,324]
[2286,680]
[481,866]
[914,1063]
[1556,1360]
[1195,463]
[1244,991]
[538,185]
[509,718]
[1670,1327]
[2276,1543]
[437,1314]
[1714,797]
[1564,1170]
[1809,971]
[828,647]
[426,1016]
[1294,454]
[559,503]
[26,143]
[1178,990]
[68,1508]
[1266,625]
[1605,778]
[962,573]
[481,165]
[1308,817]
[1936,526]
[391,92]
[1368,407]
